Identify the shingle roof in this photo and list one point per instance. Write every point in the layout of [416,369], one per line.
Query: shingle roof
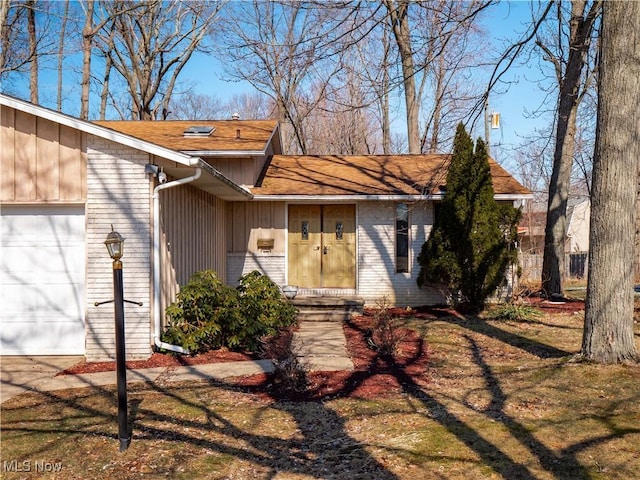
[254,134]
[368,175]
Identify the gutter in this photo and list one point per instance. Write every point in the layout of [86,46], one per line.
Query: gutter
[156,256]
[364,197]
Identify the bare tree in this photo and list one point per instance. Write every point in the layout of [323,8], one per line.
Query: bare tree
[25,39]
[279,48]
[33,50]
[431,41]
[89,32]
[569,70]
[151,45]
[608,333]
[398,11]
[61,43]
[15,53]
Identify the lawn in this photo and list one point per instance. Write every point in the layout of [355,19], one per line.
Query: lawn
[495,399]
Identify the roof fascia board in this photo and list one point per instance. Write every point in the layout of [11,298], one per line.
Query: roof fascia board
[225,153]
[342,198]
[228,182]
[274,132]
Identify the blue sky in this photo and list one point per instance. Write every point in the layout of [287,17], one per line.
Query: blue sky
[504,23]
[514,102]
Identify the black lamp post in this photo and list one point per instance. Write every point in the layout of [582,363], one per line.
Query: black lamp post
[114,243]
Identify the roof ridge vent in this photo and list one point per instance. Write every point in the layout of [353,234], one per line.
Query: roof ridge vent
[199,131]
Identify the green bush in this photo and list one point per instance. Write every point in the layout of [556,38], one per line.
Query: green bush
[514,312]
[472,242]
[208,314]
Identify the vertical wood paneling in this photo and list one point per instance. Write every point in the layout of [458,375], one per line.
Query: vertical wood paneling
[195,238]
[250,221]
[42,161]
[25,157]
[72,182]
[7,154]
[47,160]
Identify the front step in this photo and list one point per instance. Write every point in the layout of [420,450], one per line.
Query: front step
[327,309]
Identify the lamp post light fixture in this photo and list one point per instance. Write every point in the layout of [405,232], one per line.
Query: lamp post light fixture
[114,243]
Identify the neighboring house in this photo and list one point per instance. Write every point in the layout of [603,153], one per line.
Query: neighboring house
[578,215]
[532,231]
[533,222]
[331,225]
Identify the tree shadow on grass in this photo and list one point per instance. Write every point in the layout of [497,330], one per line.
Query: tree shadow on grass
[540,350]
[318,444]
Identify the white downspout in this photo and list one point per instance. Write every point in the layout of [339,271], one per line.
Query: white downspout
[156,260]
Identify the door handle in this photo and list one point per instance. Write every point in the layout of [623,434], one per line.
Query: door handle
[326,250]
[316,247]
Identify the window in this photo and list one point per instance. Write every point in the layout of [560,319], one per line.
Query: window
[402,237]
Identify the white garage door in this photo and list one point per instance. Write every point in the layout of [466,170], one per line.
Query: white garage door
[42,268]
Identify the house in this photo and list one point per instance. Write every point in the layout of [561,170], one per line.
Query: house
[189,196]
[531,233]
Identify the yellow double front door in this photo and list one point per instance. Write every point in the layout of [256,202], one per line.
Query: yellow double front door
[322,246]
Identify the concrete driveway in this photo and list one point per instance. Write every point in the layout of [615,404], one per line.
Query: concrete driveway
[23,373]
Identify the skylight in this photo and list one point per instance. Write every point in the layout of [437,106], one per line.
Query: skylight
[199,131]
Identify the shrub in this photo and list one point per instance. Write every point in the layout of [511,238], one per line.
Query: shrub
[289,377]
[208,314]
[472,242]
[386,332]
[262,308]
[514,312]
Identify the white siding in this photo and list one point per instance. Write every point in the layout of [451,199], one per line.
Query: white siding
[118,194]
[377,277]
[239,264]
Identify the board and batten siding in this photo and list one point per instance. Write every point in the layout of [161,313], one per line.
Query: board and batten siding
[248,222]
[119,194]
[377,276]
[41,161]
[193,237]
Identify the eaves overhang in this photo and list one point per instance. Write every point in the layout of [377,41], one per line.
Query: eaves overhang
[225,153]
[364,197]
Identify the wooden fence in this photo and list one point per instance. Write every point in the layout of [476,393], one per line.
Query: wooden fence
[531,266]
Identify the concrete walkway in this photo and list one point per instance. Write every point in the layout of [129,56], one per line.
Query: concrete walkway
[322,345]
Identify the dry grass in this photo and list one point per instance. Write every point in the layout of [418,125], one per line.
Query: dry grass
[504,400]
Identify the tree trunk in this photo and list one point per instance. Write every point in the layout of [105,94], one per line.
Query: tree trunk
[398,15]
[87,40]
[637,259]
[33,49]
[554,236]
[608,333]
[61,43]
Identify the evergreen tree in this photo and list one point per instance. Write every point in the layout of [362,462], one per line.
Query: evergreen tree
[473,237]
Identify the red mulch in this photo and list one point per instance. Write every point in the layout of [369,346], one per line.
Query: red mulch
[567,305]
[162,360]
[373,376]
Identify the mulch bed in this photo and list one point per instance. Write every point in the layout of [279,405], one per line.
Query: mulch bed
[374,375]
[158,359]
